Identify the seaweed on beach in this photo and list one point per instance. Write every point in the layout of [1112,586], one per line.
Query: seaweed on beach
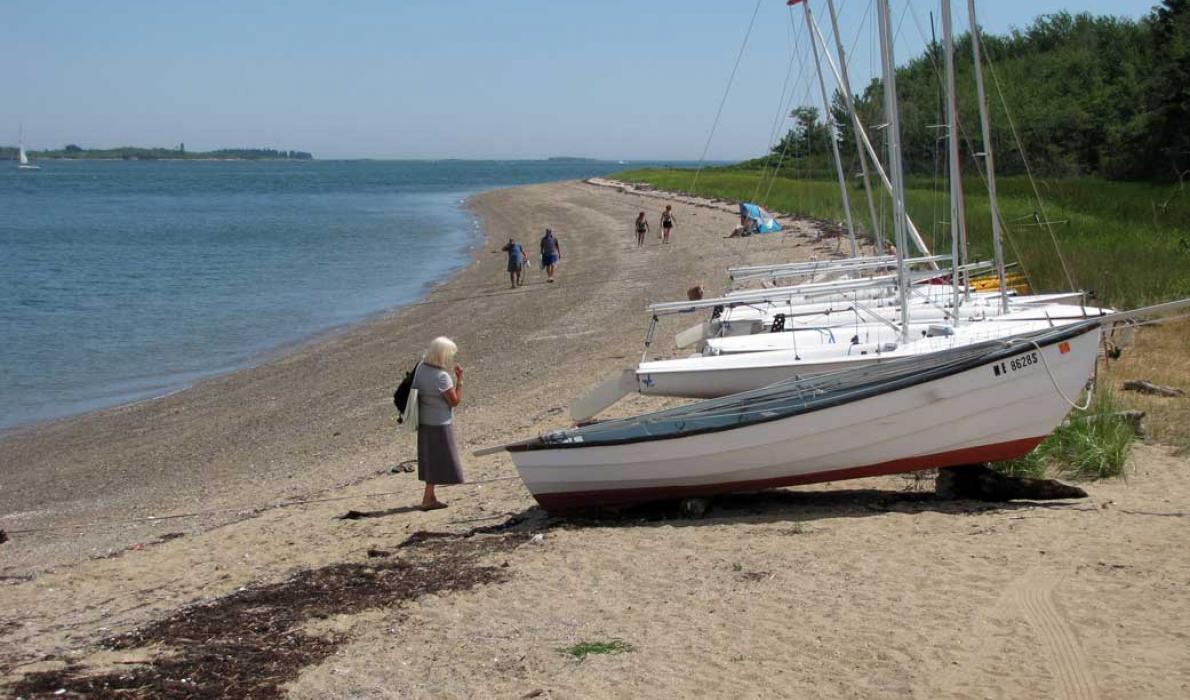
[252,642]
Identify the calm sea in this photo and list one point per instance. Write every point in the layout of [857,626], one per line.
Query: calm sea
[121,281]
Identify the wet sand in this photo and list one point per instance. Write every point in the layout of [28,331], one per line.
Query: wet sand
[866,587]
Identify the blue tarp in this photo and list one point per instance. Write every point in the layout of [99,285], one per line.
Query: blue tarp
[760,221]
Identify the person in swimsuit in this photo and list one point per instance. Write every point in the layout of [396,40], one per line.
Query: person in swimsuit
[667,223]
[516,262]
[551,253]
[642,227]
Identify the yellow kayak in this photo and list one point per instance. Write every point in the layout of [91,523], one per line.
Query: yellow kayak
[1015,281]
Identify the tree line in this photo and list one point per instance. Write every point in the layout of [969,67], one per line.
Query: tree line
[1084,94]
[75,151]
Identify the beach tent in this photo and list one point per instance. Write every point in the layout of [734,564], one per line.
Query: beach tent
[760,220]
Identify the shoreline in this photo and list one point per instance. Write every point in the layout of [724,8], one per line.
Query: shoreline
[276,427]
[320,416]
[893,592]
[277,352]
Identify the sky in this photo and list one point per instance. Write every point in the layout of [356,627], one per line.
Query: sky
[614,79]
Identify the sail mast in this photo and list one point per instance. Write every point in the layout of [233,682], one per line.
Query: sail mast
[863,137]
[895,167]
[989,161]
[958,223]
[845,84]
[830,125]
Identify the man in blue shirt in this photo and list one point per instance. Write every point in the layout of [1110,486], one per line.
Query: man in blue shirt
[516,263]
[551,252]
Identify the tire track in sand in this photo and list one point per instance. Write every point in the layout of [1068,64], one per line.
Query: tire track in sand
[1033,594]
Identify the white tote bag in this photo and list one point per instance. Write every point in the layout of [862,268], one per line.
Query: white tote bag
[409,417]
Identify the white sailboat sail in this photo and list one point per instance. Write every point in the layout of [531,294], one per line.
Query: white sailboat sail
[22,157]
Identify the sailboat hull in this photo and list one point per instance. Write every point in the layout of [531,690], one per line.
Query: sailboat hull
[990,411]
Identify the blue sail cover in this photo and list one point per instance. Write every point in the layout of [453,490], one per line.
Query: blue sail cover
[761,220]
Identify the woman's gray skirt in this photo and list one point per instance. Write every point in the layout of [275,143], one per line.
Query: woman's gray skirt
[437,455]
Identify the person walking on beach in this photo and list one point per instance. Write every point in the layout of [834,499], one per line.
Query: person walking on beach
[516,262]
[438,392]
[551,253]
[642,227]
[667,223]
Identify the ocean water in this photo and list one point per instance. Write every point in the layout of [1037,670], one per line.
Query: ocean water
[120,281]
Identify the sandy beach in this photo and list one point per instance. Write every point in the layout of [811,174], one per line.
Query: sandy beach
[868,587]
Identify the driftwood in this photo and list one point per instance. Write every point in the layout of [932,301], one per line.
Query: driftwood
[981,483]
[1144,386]
[1134,419]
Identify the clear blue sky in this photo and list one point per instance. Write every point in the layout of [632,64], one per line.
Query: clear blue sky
[428,78]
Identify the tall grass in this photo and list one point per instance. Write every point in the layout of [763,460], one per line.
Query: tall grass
[1091,445]
[1127,242]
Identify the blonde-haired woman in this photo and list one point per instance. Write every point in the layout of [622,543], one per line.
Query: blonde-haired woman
[437,394]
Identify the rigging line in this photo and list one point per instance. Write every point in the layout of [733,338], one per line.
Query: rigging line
[921,33]
[785,146]
[1029,171]
[726,92]
[858,32]
[901,22]
[983,175]
[779,118]
[805,98]
[774,131]
[1053,380]
[935,199]
[804,62]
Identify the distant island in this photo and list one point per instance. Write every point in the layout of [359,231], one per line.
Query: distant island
[74,152]
[573,159]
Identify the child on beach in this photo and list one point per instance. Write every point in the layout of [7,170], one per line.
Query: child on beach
[667,223]
[438,393]
[551,253]
[516,262]
[642,227]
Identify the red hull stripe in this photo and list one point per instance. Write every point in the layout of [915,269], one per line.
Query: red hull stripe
[569,502]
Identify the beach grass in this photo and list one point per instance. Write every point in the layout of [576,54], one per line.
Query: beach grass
[1157,353]
[1127,242]
[1089,445]
[581,650]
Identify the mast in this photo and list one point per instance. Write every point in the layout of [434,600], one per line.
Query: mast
[989,161]
[830,125]
[848,97]
[896,169]
[863,137]
[958,224]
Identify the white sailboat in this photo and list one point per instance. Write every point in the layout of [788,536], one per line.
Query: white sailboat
[22,158]
[961,402]
[733,372]
[990,401]
[749,362]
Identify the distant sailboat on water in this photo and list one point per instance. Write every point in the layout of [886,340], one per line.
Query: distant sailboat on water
[24,159]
